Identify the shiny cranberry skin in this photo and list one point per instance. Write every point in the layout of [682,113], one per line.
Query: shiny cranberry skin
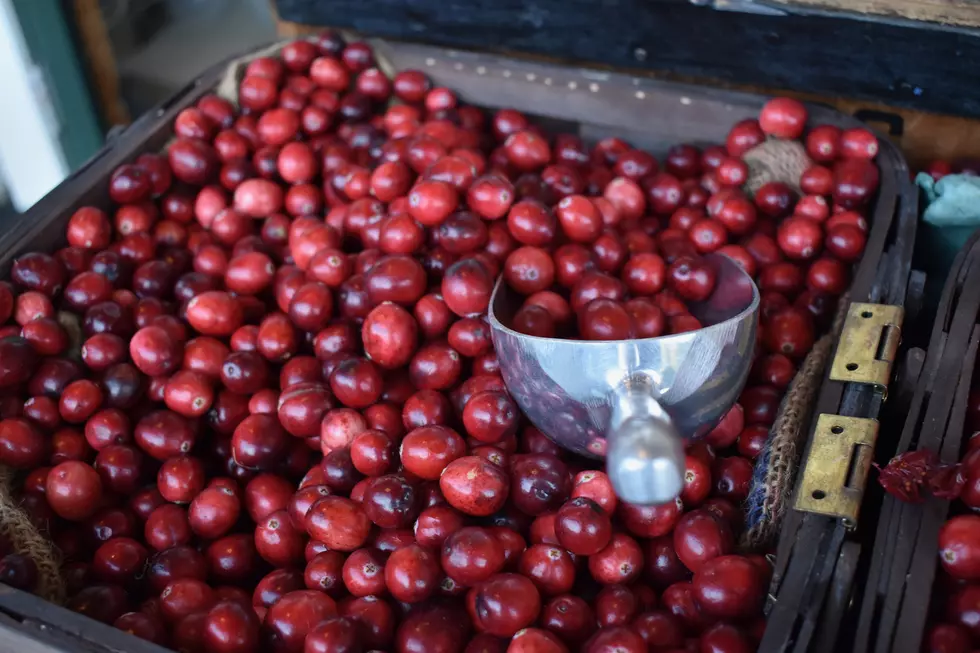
[691,279]
[428,450]
[621,561]
[855,181]
[957,552]
[119,560]
[390,501]
[436,523]
[700,536]
[471,555]
[22,445]
[213,512]
[729,587]
[180,479]
[583,527]
[324,573]
[474,486]
[550,568]
[783,117]
[278,541]
[790,332]
[231,627]
[333,635]
[846,242]
[17,361]
[503,604]
[539,483]
[339,523]
[275,585]
[724,638]
[466,288]
[73,490]
[412,573]
[294,616]
[356,383]
[301,407]
[389,334]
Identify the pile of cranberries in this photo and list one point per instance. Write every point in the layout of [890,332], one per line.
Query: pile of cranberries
[256,404]
[956,596]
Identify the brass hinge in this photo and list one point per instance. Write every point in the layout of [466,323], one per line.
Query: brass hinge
[837,468]
[868,344]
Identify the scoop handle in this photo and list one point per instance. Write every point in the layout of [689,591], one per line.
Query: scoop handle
[644,451]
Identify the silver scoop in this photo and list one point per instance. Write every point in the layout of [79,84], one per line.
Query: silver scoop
[634,401]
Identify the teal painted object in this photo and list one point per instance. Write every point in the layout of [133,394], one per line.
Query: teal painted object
[49,38]
[951,215]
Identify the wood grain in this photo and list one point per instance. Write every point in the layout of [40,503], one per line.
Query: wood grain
[965,13]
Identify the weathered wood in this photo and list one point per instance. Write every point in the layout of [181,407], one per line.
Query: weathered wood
[926,69]
[947,12]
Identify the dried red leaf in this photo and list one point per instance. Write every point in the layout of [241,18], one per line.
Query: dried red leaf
[907,474]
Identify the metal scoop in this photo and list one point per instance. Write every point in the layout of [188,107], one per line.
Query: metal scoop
[634,401]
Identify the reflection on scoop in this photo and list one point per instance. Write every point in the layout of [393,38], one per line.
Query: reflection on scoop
[570,389]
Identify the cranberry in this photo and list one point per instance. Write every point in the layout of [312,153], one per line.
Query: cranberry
[231,627]
[73,490]
[790,332]
[333,635]
[729,586]
[390,501]
[503,604]
[621,561]
[412,573]
[700,536]
[340,523]
[471,484]
[783,117]
[845,241]
[956,550]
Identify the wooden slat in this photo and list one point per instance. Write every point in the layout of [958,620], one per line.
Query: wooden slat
[100,60]
[965,13]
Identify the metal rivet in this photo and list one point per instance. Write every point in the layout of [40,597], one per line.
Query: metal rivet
[430,61]
[594,88]
[506,73]
[531,77]
[458,66]
[640,54]
[547,81]
[640,95]
[572,85]
[481,70]
[685,101]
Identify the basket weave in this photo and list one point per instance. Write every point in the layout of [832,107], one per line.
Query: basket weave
[775,469]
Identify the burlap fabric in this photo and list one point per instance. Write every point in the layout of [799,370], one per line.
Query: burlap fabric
[27,540]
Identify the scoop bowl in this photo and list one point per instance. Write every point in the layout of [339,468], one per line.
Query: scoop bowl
[634,402]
